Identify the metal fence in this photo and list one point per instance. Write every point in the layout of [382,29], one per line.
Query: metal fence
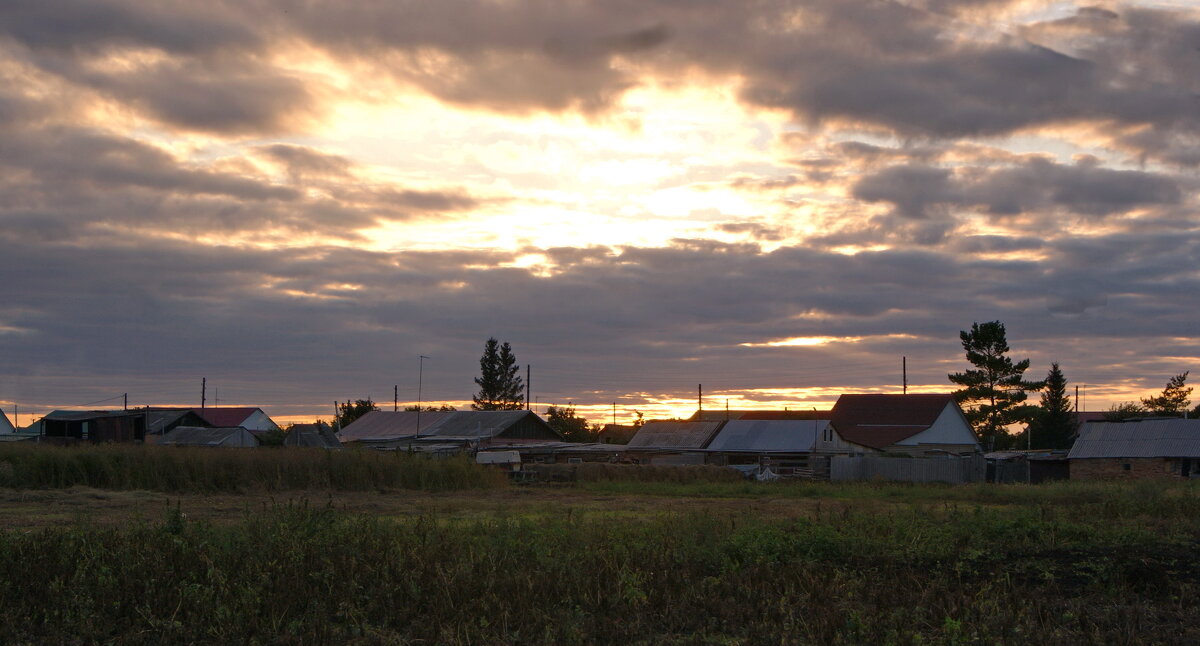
[954,470]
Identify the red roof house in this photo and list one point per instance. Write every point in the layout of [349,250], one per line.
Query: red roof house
[914,424]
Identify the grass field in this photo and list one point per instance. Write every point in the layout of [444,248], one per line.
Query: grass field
[605,562]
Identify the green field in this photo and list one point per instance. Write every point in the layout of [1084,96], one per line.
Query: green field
[603,562]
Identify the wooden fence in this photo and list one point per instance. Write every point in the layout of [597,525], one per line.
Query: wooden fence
[954,470]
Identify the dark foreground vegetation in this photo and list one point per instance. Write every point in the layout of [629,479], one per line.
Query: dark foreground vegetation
[1070,564]
[201,470]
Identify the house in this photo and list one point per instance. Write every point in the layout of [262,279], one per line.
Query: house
[69,427]
[312,436]
[1137,449]
[448,431]
[616,433]
[159,422]
[672,442]
[6,426]
[250,418]
[926,424]
[229,437]
[719,415]
[785,446]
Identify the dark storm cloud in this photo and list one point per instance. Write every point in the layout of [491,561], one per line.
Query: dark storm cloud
[1031,187]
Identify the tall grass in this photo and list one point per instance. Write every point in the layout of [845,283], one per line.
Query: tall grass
[1022,575]
[200,470]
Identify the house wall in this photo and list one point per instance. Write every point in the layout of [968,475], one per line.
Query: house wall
[1139,468]
[921,450]
[951,428]
[259,421]
[835,443]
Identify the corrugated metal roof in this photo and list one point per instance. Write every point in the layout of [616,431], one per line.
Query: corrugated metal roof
[476,423]
[311,435]
[380,425]
[1147,438]
[197,436]
[157,420]
[226,417]
[6,426]
[879,421]
[790,436]
[675,435]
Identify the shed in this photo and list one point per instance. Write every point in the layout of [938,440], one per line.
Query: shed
[311,435]
[925,424]
[93,426]
[466,429]
[784,446]
[675,435]
[1137,449]
[234,437]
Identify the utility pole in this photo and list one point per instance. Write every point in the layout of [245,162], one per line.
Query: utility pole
[337,423]
[528,386]
[726,410]
[395,398]
[904,369]
[126,401]
[203,391]
[700,397]
[614,413]
[420,383]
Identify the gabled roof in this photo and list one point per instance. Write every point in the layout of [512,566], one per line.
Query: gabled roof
[765,436]
[6,426]
[226,416]
[311,435]
[378,425]
[198,436]
[879,421]
[470,424]
[1145,438]
[675,435]
[158,420]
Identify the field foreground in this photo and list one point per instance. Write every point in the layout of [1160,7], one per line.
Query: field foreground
[606,562]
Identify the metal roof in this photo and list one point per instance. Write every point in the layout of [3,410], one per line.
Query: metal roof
[380,425]
[157,420]
[1146,438]
[5,425]
[197,436]
[719,415]
[789,436]
[476,423]
[311,435]
[675,435]
[463,424]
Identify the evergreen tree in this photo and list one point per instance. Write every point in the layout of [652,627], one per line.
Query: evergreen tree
[1055,424]
[994,393]
[499,386]
[1174,400]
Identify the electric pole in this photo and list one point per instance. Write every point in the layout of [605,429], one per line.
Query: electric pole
[904,369]
[203,391]
[700,397]
[395,398]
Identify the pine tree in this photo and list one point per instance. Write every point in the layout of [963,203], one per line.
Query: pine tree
[1174,400]
[994,393]
[499,386]
[1054,426]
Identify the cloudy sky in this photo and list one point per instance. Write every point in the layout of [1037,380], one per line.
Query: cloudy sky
[777,199]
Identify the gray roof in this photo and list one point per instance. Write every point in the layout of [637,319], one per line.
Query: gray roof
[380,425]
[157,420]
[781,436]
[311,435]
[675,435]
[1147,438]
[474,423]
[466,424]
[197,436]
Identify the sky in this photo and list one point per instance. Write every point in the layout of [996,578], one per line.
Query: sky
[782,201]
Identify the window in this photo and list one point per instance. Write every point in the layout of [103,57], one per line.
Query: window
[1127,467]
